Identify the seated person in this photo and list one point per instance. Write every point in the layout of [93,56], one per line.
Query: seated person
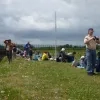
[70,57]
[75,63]
[24,54]
[61,56]
[37,56]
[49,55]
[79,64]
[45,56]
[82,63]
[21,53]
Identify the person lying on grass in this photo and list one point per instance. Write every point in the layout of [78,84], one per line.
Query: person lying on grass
[79,64]
[63,57]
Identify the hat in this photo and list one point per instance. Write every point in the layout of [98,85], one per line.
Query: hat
[82,57]
[63,49]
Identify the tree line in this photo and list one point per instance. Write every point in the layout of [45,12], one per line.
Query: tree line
[51,47]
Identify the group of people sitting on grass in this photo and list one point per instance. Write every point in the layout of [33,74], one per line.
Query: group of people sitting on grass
[61,57]
[29,54]
[81,63]
[70,57]
[38,56]
[65,57]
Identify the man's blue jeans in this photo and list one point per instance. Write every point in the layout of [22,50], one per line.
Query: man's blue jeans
[91,60]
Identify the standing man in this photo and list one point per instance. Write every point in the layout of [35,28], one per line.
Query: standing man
[27,48]
[9,47]
[91,42]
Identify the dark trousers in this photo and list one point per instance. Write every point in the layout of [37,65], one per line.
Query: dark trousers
[69,58]
[9,55]
[30,57]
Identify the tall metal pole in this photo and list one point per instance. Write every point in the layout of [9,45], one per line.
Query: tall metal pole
[55,35]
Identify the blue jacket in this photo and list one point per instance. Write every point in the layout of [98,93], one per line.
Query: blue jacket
[27,46]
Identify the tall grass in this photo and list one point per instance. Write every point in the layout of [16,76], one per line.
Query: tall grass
[46,80]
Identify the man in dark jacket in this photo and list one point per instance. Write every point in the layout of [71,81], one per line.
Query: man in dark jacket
[62,56]
[27,48]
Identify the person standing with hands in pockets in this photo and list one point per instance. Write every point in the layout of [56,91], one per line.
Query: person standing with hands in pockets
[91,41]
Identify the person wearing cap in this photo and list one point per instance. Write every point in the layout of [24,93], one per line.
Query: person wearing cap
[82,62]
[63,49]
[62,56]
[90,41]
[79,64]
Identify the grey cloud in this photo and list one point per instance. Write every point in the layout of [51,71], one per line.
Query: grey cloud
[50,35]
[77,15]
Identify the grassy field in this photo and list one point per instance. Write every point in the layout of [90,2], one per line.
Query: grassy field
[23,80]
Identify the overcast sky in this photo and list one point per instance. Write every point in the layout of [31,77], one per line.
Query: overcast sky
[33,20]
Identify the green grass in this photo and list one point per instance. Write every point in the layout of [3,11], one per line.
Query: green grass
[23,80]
